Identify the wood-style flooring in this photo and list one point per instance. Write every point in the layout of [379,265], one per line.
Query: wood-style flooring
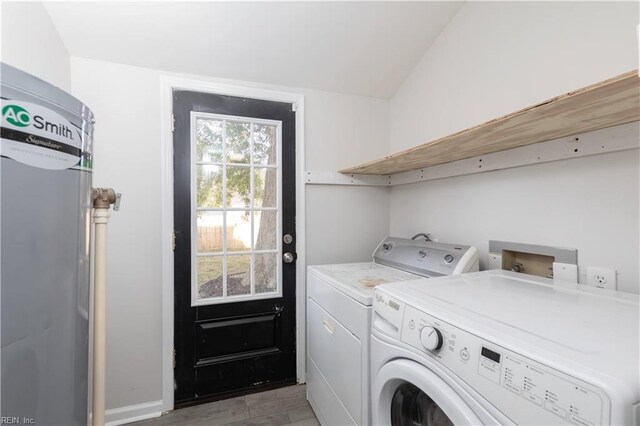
[284,406]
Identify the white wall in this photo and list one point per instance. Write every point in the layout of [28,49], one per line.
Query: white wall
[31,43]
[344,224]
[348,222]
[126,103]
[495,58]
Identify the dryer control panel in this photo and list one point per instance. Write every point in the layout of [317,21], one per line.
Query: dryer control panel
[426,258]
[522,388]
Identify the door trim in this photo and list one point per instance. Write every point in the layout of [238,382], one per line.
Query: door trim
[167,85]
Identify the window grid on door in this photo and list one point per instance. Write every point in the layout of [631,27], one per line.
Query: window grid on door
[218,158]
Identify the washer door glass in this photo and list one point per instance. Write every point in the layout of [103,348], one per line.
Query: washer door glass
[410,406]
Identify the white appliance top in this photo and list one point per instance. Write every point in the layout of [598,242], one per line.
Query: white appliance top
[583,331]
[358,280]
[398,259]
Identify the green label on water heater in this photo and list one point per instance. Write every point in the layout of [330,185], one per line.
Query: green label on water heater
[34,135]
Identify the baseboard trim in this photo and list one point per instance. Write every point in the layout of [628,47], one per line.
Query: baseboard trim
[133,413]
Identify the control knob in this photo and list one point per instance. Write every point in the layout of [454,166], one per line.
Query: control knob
[431,338]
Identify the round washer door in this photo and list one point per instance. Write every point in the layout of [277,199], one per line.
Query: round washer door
[407,393]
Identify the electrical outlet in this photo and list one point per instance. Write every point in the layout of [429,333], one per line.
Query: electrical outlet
[602,277]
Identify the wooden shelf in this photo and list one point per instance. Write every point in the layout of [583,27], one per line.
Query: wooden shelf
[605,104]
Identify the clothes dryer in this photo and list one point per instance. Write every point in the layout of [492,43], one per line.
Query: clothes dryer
[339,319]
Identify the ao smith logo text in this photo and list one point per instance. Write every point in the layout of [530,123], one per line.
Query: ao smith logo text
[20,117]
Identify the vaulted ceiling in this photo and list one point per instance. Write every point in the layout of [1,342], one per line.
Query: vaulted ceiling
[364,48]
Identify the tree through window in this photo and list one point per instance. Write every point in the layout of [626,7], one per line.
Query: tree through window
[236,170]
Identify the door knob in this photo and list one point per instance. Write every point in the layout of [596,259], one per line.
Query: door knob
[288,257]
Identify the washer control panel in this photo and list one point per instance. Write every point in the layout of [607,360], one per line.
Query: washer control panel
[523,389]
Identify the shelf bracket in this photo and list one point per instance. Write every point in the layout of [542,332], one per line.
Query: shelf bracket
[335,178]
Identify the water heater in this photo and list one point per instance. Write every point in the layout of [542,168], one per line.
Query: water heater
[45,190]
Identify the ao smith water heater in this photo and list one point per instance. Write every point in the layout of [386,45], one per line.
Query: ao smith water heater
[46,204]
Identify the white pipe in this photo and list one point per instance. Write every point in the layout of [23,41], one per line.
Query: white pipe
[100,219]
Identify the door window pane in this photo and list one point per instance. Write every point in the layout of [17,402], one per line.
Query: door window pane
[238,275]
[265,183]
[238,186]
[238,231]
[209,140]
[237,141]
[209,276]
[210,232]
[265,268]
[265,225]
[264,144]
[209,186]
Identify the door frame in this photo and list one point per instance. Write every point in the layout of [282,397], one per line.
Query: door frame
[167,85]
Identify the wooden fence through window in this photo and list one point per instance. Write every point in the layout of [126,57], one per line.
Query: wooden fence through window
[210,240]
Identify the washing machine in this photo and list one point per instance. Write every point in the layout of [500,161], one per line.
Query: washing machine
[339,299]
[499,347]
